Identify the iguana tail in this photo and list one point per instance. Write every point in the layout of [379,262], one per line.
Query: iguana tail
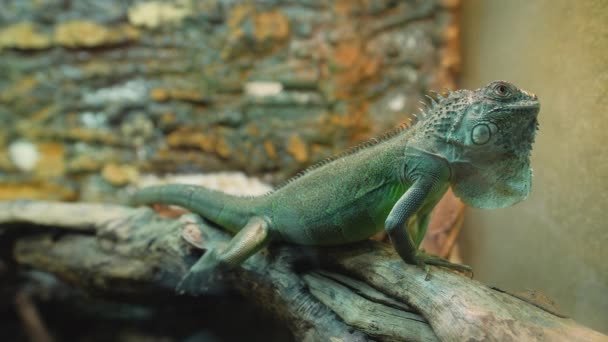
[228,211]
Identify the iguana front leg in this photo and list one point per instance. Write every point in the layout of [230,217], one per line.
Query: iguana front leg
[425,185]
[205,275]
[422,223]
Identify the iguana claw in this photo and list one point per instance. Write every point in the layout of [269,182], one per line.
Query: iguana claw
[205,277]
[424,260]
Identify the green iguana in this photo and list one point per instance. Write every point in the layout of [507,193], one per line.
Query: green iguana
[478,142]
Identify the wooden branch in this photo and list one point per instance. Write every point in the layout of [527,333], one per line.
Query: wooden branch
[352,293]
[30,317]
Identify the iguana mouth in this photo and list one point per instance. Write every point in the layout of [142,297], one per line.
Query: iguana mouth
[531,106]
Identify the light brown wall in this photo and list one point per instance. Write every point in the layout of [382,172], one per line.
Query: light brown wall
[557,240]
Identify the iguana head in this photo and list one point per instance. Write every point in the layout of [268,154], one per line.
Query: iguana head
[487,135]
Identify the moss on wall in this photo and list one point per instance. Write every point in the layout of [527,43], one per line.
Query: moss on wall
[267,87]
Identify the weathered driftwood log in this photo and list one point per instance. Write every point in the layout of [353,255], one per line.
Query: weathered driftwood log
[358,292]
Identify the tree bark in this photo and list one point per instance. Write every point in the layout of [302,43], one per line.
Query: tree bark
[351,293]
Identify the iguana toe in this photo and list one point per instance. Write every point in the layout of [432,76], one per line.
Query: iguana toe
[424,260]
[205,277]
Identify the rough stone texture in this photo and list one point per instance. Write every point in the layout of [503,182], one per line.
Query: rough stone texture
[101,91]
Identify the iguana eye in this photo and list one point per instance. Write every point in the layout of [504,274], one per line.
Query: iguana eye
[502,90]
[481,134]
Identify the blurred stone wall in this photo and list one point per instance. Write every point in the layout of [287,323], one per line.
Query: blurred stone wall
[95,93]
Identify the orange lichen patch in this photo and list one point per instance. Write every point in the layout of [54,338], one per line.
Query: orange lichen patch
[338,120]
[52,160]
[190,95]
[354,66]
[369,67]
[207,142]
[271,151]
[357,123]
[252,130]
[36,191]
[450,59]
[187,95]
[87,134]
[297,148]
[82,33]
[167,118]
[159,94]
[272,25]
[238,14]
[346,121]
[222,148]
[317,148]
[347,53]
[451,32]
[185,138]
[23,36]
[119,175]
[269,28]
[362,124]
[345,7]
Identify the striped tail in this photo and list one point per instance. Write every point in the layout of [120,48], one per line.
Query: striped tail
[228,211]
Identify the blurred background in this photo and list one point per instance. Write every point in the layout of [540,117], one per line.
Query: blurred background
[98,98]
[557,240]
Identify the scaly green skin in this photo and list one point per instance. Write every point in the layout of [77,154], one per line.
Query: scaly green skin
[476,141]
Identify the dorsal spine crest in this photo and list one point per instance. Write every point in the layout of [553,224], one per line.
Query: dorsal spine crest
[430,111]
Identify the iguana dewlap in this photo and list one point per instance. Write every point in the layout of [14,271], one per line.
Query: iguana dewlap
[478,142]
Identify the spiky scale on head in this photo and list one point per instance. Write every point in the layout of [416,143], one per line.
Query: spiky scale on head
[496,104]
[433,102]
[437,95]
